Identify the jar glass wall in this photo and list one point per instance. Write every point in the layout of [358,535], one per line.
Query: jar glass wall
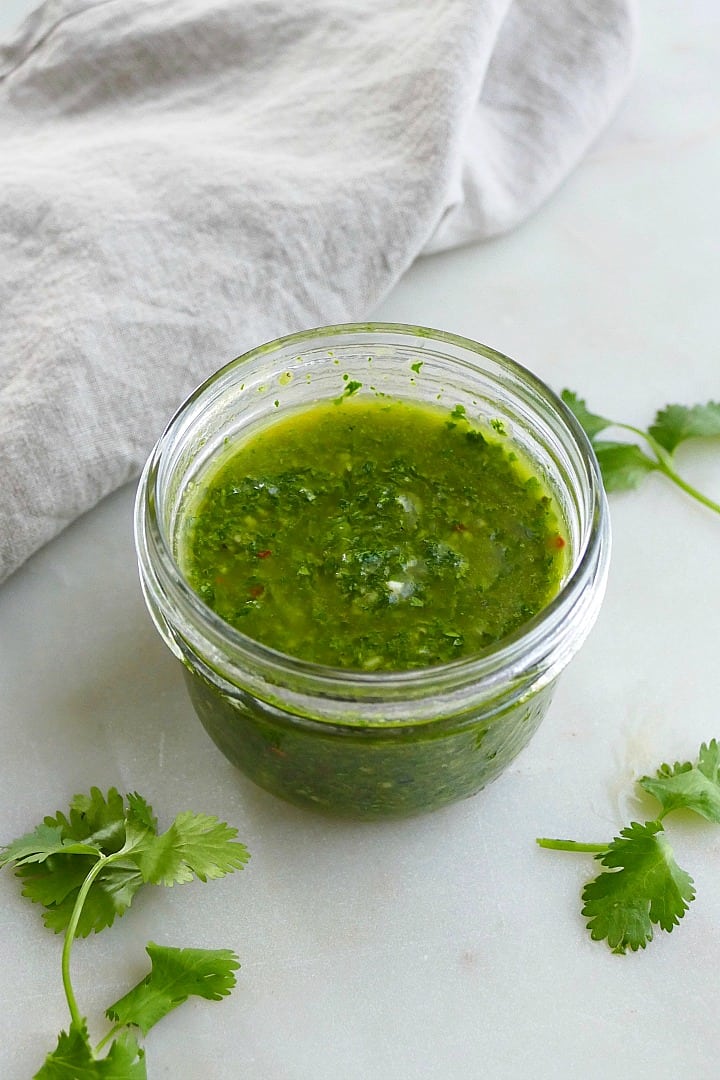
[372,744]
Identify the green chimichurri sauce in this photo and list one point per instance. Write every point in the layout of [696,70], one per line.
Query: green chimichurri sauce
[372,534]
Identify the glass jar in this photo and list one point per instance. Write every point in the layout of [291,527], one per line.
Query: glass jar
[372,744]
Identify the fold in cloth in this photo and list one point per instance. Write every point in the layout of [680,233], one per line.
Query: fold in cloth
[184,179]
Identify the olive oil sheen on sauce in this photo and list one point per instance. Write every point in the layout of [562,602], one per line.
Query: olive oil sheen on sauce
[372,535]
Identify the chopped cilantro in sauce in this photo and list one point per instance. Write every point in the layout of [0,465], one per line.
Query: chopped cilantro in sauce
[372,534]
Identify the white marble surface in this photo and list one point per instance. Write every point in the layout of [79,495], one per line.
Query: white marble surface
[448,947]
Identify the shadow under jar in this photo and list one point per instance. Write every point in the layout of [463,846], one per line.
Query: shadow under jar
[364,743]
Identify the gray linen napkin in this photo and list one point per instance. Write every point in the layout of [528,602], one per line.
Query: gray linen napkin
[183,179]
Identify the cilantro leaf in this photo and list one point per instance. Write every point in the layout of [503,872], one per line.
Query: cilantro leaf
[52,877]
[645,887]
[55,859]
[51,884]
[140,827]
[623,465]
[108,898]
[176,975]
[140,813]
[676,423]
[39,845]
[195,845]
[591,423]
[687,786]
[125,1060]
[73,1059]
[95,817]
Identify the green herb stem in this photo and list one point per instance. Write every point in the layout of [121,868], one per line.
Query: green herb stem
[570,845]
[665,465]
[110,1035]
[688,488]
[71,930]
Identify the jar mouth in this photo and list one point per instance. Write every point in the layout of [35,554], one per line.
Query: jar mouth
[542,645]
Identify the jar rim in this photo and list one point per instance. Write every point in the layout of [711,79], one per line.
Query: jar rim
[510,657]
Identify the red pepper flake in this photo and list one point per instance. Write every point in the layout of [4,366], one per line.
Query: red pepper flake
[256,590]
[264,554]
[558,542]
[459,527]
[277,751]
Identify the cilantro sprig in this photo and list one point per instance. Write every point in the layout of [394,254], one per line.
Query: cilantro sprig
[84,869]
[643,886]
[625,464]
